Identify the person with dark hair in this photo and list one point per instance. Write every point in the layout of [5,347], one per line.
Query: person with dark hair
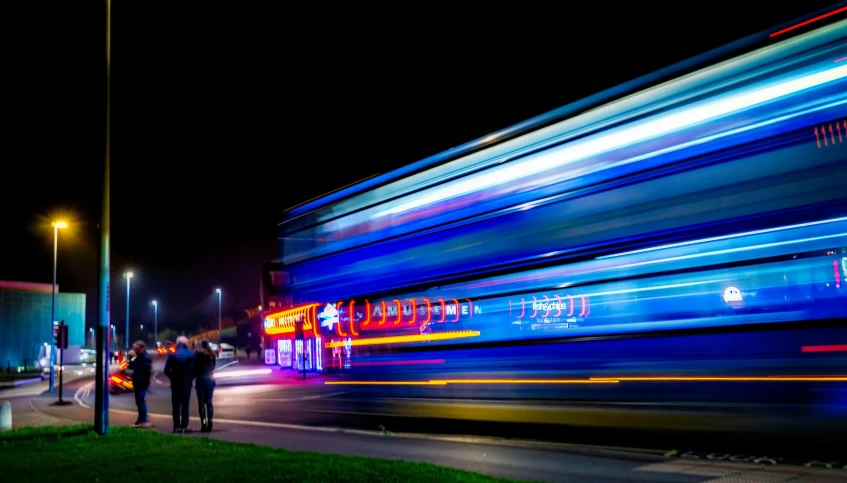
[141,366]
[204,375]
[178,368]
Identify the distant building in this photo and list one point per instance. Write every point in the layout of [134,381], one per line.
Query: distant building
[25,324]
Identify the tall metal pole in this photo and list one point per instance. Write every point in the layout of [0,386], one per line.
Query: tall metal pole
[128,279]
[101,403]
[53,308]
[219,316]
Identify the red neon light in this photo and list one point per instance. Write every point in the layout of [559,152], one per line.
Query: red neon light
[457,311]
[831,137]
[807,22]
[838,129]
[534,312]
[570,305]
[414,312]
[428,314]
[352,316]
[825,348]
[399,311]
[840,60]
[443,312]
[470,305]
[558,301]
[338,329]
[367,314]
[837,274]
[546,301]
[384,314]
[523,309]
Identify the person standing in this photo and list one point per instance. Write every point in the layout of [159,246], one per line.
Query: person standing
[204,374]
[178,368]
[141,366]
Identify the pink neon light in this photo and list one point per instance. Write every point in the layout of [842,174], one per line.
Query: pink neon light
[443,312]
[546,301]
[558,301]
[587,307]
[837,274]
[534,312]
[523,309]
[570,305]
[399,311]
[457,311]
[582,312]
[401,363]
[825,348]
[807,22]
[840,60]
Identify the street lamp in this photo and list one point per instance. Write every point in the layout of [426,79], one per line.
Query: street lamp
[56,226]
[128,278]
[113,345]
[156,322]
[91,331]
[219,313]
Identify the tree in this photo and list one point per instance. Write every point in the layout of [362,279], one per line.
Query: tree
[168,334]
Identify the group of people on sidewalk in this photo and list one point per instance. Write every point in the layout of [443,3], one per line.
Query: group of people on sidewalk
[183,367]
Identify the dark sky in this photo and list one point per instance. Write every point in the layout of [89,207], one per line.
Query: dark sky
[226,113]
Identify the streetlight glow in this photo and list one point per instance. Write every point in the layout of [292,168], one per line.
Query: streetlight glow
[129,274]
[218,291]
[156,321]
[154,303]
[60,224]
[128,278]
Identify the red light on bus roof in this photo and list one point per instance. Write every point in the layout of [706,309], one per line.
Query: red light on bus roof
[824,348]
[807,22]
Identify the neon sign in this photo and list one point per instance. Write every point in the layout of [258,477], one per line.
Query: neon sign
[328,316]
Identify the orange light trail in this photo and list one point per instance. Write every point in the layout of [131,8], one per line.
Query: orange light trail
[727,379]
[405,339]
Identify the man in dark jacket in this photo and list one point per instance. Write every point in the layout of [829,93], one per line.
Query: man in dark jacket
[141,366]
[178,368]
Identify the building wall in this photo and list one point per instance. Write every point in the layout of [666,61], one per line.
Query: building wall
[25,322]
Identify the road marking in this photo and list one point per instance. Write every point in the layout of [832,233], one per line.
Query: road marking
[83,393]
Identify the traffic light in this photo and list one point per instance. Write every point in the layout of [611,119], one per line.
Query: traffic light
[61,336]
[56,336]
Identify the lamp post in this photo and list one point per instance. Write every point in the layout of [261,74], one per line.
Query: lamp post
[113,345]
[91,332]
[128,278]
[156,322]
[219,314]
[56,226]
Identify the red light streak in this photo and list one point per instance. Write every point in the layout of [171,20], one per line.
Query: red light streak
[414,312]
[841,59]
[534,312]
[817,137]
[470,305]
[457,311]
[558,301]
[547,302]
[443,312]
[807,22]
[352,317]
[399,311]
[367,314]
[825,348]
[830,134]
[384,314]
[838,128]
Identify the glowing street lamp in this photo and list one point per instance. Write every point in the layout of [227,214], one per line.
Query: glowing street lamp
[128,276]
[56,226]
[156,322]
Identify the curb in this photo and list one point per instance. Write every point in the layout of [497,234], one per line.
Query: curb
[22,382]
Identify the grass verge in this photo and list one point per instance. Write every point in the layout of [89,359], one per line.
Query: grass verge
[76,453]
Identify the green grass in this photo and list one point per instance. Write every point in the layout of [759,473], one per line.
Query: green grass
[76,453]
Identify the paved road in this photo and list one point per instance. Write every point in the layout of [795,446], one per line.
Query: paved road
[282,411]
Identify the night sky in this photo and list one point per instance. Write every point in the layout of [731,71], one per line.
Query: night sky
[224,114]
